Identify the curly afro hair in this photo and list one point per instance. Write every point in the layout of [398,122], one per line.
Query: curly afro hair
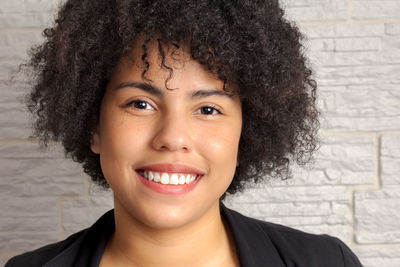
[245,42]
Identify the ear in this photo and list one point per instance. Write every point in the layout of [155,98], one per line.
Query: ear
[95,140]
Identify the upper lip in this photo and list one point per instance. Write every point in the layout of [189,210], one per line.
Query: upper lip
[171,168]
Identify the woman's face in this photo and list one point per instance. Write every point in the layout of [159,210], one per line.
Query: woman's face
[189,132]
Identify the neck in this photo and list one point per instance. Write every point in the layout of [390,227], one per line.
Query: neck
[203,242]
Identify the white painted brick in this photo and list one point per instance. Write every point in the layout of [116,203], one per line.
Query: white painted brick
[351,159]
[266,194]
[26,241]
[323,59]
[357,44]
[26,20]
[28,6]
[279,209]
[344,160]
[390,159]
[341,160]
[7,224]
[55,187]
[391,44]
[383,255]
[392,28]
[14,117]
[352,75]
[376,9]
[7,68]
[36,224]
[341,215]
[312,10]
[15,124]
[351,108]
[25,173]
[14,45]
[343,232]
[43,170]
[325,44]
[12,91]
[13,53]
[377,217]
[29,150]
[21,37]
[28,206]
[344,30]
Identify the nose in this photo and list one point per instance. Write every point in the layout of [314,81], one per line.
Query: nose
[173,134]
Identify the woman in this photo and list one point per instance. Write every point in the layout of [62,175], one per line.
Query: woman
[172,104]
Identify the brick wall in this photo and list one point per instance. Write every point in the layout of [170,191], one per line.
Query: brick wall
[352,191]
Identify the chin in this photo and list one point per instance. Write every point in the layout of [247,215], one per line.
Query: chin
[166,218]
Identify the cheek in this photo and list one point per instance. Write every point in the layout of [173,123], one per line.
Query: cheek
[220,148]
[123,137]
[122,143]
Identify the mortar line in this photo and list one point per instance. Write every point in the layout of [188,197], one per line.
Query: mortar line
[343,22]
[353,218]
[365,133]
[87,186]
[378,245]
[15,142]
[378,163]
[23,141]
[350,7]
[22,29]
[364,188]
[61,234]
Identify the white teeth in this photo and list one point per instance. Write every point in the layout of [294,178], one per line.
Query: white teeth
[190,178]
[172,178]
[182,179]
[165,178]
[157,177]
[150,175]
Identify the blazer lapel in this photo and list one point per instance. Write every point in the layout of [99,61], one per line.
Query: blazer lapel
[254,247]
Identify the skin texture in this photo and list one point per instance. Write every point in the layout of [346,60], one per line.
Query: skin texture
[173,128]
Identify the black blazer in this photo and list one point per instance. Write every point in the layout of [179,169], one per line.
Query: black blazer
[258,244]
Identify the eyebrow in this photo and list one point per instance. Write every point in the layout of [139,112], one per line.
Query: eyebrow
[158,92]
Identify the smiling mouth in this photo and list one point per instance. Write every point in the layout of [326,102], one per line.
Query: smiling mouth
[169,178]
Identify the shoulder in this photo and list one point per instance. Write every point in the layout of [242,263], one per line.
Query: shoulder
[44,254]
[293,247]
[79,249]
[311,248]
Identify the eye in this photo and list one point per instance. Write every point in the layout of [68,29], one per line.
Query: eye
[210,110]
[140,104]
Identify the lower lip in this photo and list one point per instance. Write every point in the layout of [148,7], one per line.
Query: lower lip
[167,188]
